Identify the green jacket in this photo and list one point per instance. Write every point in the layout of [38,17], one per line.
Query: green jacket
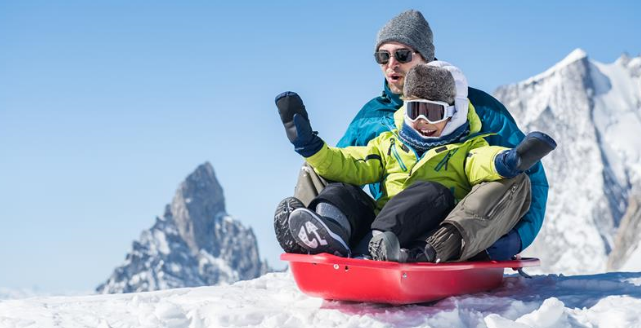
[386,159]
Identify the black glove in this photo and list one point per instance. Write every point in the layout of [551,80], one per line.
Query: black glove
[513,162]
[296,122]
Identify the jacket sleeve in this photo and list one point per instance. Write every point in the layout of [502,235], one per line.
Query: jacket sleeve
[353,165]
[479,163]
[495,118]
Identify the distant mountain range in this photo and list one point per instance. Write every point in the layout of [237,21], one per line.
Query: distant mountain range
[593,110]
[194,243]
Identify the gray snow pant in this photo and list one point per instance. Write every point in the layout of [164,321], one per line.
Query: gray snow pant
[309,184]
[490,211]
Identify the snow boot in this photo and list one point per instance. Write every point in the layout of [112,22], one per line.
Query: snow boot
[385,246]
[446,243]
[421,252]
[318,234]
[281,225]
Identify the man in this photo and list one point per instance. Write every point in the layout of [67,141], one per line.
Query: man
[402,43]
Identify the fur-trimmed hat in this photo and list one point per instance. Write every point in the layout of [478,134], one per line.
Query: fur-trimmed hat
[430,82]
[410,28]
[440,81]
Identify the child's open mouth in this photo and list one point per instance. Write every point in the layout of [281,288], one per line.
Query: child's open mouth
[427,132]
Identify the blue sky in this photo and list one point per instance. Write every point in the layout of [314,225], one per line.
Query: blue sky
[106,106]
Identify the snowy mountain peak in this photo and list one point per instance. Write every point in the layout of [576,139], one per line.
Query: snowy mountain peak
[591,109]
[198,199]
[194,243]
[623,60]
[634,65]
[576,54]
[577,60]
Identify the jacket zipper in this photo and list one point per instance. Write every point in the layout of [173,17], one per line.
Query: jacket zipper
[396,155]
[445,160]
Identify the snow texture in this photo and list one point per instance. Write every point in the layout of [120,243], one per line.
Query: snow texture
[273,300]
[593,110]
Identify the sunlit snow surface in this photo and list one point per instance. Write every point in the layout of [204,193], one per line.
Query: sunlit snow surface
[605,300]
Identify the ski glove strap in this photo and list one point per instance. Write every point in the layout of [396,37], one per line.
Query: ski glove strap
[513,162]
[296,122]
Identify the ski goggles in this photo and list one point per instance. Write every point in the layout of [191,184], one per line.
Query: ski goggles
[402,55]
[432,111]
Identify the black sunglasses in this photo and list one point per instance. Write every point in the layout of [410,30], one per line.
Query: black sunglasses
[402,55]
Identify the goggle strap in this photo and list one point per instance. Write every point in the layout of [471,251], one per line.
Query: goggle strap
[450,111]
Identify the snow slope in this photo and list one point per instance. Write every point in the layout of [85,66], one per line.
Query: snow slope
[604,300]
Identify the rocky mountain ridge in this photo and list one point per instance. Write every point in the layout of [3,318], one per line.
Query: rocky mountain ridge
[194,243]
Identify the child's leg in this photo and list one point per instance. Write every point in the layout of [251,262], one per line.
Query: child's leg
[338,216]
[415,211]
[352,202]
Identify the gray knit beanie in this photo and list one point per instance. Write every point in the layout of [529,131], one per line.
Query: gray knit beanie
[410,28]
[430,82]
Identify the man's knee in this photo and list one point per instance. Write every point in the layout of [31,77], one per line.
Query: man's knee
[486,196]
[309,184]
[523,187]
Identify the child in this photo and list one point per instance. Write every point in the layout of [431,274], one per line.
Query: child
[427,163]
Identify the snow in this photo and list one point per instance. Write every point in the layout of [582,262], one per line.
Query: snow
[633,263]
[273,300]
[576,54]
[221,265]
[161,242]
[616,114]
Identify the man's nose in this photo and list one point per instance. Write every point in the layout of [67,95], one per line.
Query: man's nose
[392,62]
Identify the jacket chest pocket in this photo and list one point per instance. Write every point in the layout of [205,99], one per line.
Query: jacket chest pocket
[395,154]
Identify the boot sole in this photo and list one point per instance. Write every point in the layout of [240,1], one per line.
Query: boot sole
[281,225]
[311,233]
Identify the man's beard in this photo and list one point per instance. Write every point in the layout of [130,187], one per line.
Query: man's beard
[396,86]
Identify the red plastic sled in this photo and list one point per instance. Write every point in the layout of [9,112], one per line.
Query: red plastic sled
[346,279]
